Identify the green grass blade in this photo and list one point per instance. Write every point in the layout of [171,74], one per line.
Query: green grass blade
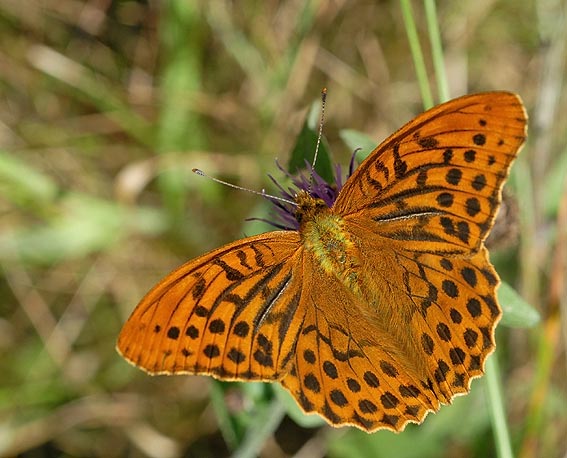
[180,128]
[417,54]
[261,429]
[436,50]
[81,83]
[496,406]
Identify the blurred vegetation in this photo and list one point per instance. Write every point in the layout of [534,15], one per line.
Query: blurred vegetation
[106,106]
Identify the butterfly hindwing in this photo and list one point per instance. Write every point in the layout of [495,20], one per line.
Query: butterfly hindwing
[446,309]
[351,368]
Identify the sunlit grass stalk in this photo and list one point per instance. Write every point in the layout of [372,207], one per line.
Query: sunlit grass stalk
[547,350]
[496,408]
[436,50]
[503,445]
[417,54]
[82,83]
[525,189]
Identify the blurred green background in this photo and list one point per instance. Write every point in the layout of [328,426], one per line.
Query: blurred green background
[106,106]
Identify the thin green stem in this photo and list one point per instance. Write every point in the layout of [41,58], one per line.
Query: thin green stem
[258,433]
[417,54]
[496,405]
[436,50]
[226,425]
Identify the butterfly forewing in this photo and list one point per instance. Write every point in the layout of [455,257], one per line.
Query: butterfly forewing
[231,313]
[435,184]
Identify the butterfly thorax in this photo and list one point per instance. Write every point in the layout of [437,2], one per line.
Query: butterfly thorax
[324,235]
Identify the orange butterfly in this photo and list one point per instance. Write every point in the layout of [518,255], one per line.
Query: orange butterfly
[379,308]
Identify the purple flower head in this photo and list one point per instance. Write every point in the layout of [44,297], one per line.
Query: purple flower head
[284,216]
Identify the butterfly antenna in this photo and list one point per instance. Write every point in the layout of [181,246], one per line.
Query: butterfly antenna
[319,135]
[240,188]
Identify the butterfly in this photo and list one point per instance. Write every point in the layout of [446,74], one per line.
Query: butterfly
[379,308]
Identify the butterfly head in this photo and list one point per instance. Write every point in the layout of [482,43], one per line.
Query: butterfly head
[307,184]
[308,207]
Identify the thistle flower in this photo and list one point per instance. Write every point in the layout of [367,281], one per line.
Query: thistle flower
[308,180]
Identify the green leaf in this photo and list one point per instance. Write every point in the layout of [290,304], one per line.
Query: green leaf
[83,225]
[304,150]
[517,313]
[23,185]
[358,140]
